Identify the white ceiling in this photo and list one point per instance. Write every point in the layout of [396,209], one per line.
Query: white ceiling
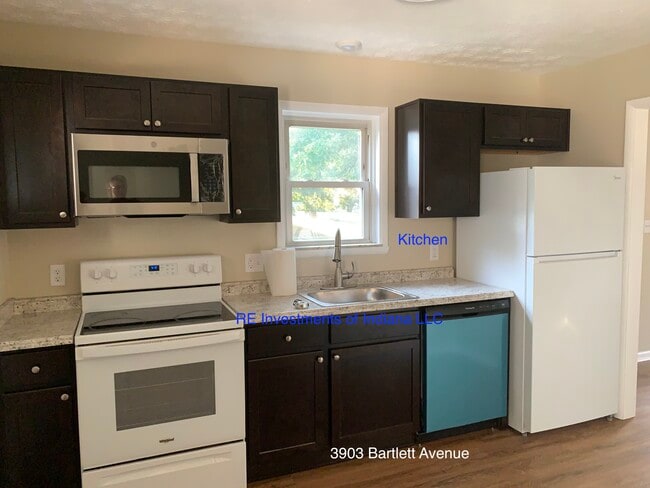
[506,34]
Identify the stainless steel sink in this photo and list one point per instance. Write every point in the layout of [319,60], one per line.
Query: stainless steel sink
[361,294]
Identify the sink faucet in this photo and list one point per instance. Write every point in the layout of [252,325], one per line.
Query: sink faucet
[339,274]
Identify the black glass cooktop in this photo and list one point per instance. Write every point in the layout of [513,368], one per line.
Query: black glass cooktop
[144,318]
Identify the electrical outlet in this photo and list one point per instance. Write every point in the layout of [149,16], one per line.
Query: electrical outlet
[253,263]
[434,253]
[57,275]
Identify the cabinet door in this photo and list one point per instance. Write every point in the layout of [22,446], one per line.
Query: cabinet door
[111,102]
[34,187]
[376,394]
[39,439]
[548,128]
[193,108]
[451,162]
[504,126]
[254,158]
[287,414]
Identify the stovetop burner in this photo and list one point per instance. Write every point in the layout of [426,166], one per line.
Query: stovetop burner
[164,316]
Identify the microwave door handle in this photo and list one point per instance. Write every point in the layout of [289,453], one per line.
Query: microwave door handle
[158,345]
[194,176]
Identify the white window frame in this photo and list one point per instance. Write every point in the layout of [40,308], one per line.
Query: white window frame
[375,121]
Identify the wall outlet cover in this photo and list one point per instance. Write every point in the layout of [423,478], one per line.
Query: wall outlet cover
[434,253]
[253,263]
[57,275]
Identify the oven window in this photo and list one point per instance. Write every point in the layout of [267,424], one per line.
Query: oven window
[129,176]
[159,395]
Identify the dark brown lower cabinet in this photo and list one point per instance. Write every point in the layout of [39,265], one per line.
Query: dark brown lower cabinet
[288,427]
[39,437]
[359,386]
[376,394]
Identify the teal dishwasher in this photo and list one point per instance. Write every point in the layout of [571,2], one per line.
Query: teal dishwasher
[465,360]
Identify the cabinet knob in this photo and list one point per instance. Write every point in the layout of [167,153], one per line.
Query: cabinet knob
[146,122]
[336,357]
[157,123]
[238,211]
[320,359]
[63,215]
[525,139]
[288,338]
[428,208]
[36,369]
[65,397]
[532,139]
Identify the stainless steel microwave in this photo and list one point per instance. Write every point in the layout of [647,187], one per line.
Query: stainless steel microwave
[149,175]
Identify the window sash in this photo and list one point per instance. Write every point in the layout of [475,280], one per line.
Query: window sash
[332,124]
[365,192]
[364,184]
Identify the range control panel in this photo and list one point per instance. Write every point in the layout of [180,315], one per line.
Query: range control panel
[112,275]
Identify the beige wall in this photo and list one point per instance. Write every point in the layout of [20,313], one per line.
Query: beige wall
[597,93]
[300,77]
[4,263]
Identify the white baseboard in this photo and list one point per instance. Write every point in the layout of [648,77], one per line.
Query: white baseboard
[644,356]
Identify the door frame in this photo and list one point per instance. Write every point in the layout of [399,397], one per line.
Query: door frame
[637,123]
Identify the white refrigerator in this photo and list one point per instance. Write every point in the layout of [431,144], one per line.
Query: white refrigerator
[554,236]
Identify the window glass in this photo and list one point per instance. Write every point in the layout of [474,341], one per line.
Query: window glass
[324,154]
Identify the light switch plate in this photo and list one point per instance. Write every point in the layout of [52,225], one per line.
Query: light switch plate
[434,253]
[253,263]
[57,275]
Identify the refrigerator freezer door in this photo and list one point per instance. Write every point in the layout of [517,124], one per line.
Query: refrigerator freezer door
[575,210]
[573,307]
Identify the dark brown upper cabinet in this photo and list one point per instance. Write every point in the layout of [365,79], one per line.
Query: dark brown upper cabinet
[106,102]
[437,159]
[545,129]
[34,182]
[189,107]
[254,155]
[103,102]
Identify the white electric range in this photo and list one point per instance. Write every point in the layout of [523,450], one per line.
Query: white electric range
[160,375]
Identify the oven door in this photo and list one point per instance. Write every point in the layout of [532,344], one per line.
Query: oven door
[149,175]
[145,398]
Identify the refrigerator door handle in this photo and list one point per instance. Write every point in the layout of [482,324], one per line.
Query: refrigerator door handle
[576,257]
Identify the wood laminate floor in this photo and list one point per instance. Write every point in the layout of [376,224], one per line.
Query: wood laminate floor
[594,454]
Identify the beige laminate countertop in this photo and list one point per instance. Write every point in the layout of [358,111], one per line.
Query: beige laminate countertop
[429,292]
[33,330]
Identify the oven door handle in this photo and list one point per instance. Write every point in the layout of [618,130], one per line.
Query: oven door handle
[158,345]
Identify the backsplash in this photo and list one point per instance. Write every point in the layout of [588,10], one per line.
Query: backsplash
[71,302]
[308,282]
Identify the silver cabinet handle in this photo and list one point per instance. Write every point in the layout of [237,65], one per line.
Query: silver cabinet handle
[36,369]
[336,357]
[320,359]
[146,122]
[288,338]
[238,211]
[531,140]
[525,139]
[65,397]
[157,123]
[63,215]
[428,208]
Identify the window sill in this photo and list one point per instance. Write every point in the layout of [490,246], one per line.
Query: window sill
[347,249]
